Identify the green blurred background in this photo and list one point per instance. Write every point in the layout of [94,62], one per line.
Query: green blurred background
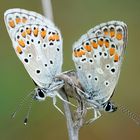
[74,18]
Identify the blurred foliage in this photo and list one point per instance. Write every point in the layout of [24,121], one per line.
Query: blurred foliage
[74,18]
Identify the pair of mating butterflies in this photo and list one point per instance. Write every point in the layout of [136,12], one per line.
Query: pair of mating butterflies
[97,55]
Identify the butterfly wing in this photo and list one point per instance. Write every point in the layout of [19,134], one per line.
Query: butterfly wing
[37,42]
[98,57]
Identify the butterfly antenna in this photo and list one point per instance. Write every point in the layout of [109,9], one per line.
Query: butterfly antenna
[130,114]
[29,110]
[21,104]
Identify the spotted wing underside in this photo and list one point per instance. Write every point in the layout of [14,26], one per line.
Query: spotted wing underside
[98,57]
[37,42]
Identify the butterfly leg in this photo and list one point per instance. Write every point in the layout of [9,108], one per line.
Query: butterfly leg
[54,103]
[61,98]
[97,115]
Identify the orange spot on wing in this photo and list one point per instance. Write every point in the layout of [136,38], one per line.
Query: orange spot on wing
[88,48]
[100,42]
[43,33]
[57,37]
[52,37]
[35,32]
[28,31]
[94,44]
[106,32]
[106,43]
[18,20]
[112,33]
[83,52]
[23,33]
[112,51]
[116,58]
[19,50]
[12,23]
[24,19]
[119,36]
[79,54]
[21,43]
[75,53]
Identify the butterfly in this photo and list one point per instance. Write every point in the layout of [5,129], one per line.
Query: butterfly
[38,44]
[98,57]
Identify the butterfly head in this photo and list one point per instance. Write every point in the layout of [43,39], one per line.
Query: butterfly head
[39,94]
[109,107]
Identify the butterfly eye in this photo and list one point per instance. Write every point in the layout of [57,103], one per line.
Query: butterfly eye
[108,107]
[40,95]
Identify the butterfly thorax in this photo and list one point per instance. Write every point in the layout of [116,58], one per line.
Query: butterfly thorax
[42,92]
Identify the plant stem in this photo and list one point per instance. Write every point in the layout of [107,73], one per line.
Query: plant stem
[72,130]
[47,9]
